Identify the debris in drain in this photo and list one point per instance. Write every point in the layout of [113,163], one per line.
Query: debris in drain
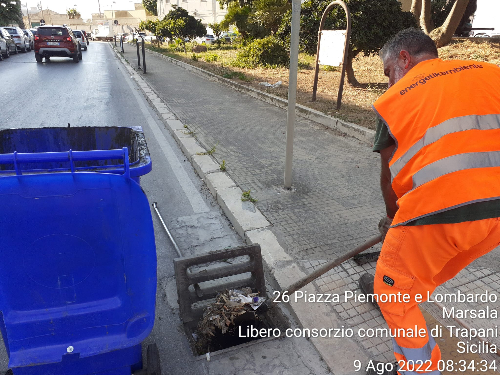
[219,328]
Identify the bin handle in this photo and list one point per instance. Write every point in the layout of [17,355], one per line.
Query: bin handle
[16,158]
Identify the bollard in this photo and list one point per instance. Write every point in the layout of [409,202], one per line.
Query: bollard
[115,40]
[138,54]
[143,56]
[121,44]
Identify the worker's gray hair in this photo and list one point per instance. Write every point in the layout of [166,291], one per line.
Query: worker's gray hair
[415,41]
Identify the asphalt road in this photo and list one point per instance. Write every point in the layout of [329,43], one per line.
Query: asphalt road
[96,92]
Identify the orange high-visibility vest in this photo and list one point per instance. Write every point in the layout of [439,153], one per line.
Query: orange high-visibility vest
[445,119]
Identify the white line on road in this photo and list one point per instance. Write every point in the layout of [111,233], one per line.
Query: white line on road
[192,194]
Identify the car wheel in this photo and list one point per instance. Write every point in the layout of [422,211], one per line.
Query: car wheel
[76,58]
[38,57]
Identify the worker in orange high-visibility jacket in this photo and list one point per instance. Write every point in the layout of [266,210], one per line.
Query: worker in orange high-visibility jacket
[439,140]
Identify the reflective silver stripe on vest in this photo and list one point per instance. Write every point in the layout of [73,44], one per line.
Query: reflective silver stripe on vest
[456,163]
[454,125]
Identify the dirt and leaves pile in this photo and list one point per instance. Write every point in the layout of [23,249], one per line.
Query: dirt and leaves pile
[222,314]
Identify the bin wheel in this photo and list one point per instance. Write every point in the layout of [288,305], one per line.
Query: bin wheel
[153,358]
[9,372]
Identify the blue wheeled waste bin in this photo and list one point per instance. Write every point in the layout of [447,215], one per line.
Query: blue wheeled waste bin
[84,138]
[78,264]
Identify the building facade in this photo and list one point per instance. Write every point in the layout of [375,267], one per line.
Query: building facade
[208,11]
[128,20]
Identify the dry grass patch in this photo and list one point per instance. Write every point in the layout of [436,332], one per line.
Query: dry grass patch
[356,101]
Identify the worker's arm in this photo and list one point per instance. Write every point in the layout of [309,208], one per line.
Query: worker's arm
[388,194]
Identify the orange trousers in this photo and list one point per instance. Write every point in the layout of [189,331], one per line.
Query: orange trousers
[415,260]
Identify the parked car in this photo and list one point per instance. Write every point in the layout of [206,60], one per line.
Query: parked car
[81,38]
[21,40]
[3,47]
[11,45]
[56,41]
[31,37]
[228,37]
[87,38]
[207,39]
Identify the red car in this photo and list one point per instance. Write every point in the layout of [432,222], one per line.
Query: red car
[86,36]
[56,41]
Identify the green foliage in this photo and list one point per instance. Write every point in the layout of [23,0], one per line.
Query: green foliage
[257,18]
[11,13]
[195,57]
[267,14]
[223,166]
[150,6]
[73,13]
[266,52]
[182,25]
[217,28]
[440,10]
[238,75]
[373,23]
[211,57]
[237,15]
[246,196]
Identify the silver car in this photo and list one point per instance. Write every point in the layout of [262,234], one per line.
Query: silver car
[21,40]
[31,37]
[11,45]
[81,38]
[3,47]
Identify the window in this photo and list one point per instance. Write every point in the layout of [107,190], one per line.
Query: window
[52,31]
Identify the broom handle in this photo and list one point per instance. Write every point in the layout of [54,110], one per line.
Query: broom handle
[334,263]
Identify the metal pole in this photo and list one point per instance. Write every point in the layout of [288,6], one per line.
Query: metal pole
[121,43]
[143,56]
[138,54]
[292,91]
[155,206]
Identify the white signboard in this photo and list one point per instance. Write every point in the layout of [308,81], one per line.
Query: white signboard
[331,49]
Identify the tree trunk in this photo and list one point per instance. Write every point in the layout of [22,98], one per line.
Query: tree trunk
[443,34]
[416,9]
[351,79]
[425,16]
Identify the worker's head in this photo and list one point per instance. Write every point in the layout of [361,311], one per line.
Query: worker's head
[405,50]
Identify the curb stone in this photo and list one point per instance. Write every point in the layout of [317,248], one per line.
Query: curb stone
[251,225]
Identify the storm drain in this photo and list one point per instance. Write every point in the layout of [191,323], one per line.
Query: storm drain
[208,283]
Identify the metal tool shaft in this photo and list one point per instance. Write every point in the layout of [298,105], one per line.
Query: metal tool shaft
[334,263]
[155,206]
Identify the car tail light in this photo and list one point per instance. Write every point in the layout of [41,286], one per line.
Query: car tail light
[37,37]
[68,39]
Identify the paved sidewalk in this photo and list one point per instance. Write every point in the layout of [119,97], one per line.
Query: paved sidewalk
[335,203]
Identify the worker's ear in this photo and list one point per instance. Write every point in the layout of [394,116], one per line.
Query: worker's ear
[404,59]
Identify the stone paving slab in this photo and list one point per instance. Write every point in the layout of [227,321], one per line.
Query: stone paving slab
[334,204]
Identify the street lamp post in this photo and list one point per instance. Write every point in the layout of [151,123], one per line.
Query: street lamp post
[28,13]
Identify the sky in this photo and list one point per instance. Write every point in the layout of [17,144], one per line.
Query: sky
[486,14]
[85,7]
